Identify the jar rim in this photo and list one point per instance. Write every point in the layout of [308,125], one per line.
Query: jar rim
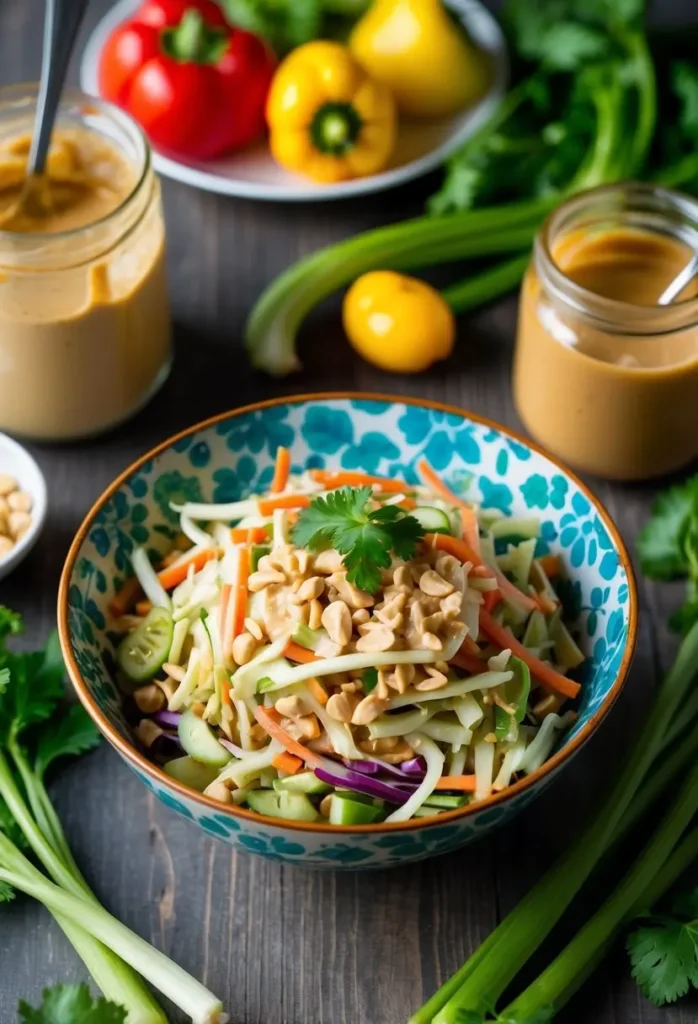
[70,98]
[678,214]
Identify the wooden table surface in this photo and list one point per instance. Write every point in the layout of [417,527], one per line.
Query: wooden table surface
[279,944]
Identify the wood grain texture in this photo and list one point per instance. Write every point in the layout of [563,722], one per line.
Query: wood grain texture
[279,944]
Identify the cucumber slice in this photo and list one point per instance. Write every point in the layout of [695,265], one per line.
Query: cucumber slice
[264,801]
[296,807]
[346,811]
[142,653]
[433,520]
[257,552]
[567,652]
[516,693]
[445,801]
[290,806]
[191,773]
[304,782]
[200,742]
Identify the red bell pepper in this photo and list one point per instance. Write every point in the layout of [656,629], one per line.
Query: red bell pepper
[196,85]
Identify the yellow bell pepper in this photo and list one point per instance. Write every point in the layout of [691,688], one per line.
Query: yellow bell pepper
[414,48]
[327,119]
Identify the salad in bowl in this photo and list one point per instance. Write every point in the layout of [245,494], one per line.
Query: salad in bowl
[347,648]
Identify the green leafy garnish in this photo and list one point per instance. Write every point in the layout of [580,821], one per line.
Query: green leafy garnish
[370,679]
[71,1004]
[365,538]
[7,893]
[668,546]
[664,952]
[73,734]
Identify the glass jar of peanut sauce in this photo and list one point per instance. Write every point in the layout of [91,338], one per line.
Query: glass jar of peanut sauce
[84,311]
[604,377]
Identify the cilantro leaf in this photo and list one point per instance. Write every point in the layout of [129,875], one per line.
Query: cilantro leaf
[7,893]
[71,1004]
[34,689]
[664,958]
[660,544]
[75,733]
[10,625]
[365,538]
[285,24]
[370,679]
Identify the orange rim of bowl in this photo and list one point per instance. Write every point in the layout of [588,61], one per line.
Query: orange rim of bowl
[140,761]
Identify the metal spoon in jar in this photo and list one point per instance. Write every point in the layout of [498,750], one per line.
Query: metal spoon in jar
[682,279]
[62,20]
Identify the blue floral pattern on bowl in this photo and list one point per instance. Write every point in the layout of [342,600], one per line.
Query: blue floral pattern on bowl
[234,457]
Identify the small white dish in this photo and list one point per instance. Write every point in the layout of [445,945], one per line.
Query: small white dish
[16,460]
[253,174]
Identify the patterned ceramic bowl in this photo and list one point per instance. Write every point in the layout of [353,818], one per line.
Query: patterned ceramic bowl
[232,455]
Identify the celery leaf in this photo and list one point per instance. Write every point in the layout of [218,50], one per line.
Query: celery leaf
[7,893]
[71,1004]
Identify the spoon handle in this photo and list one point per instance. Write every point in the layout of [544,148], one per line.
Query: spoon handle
[61,23]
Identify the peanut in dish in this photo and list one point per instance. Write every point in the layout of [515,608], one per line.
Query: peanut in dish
[358,640]
[15,513]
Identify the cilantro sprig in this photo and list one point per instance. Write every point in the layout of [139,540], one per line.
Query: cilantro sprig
[71,1004]
[366,538]
[37,727]
[668,546]
[664,952]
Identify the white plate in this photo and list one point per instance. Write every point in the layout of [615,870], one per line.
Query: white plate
[16,460]
[254,174]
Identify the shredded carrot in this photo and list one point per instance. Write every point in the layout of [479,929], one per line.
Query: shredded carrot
[318,691]
[226,591]
[236,610]
[123,599]
[267,505]
[546,604]
[294,652]
[248,535]
[546,675]
[288,763]
[471,530]
[465,553]
[471,533]
[550,564]
[281,470]
[408,503]
[348,478]
[176,574]
[472,664]
[143,607]
[269,720]
[465,783]
[239,597]
[491,599]
[470,646]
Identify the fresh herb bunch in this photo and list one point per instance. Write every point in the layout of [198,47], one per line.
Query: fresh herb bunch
[364,537]
[668,545]
[36,729]
[664,952]
[286,24]
[71,1004]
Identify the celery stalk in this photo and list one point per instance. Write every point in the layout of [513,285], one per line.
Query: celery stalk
[421,242]
[565,974]
[483,978]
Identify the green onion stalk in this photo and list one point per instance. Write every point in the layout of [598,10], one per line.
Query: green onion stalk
[118,982]
[481,981]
